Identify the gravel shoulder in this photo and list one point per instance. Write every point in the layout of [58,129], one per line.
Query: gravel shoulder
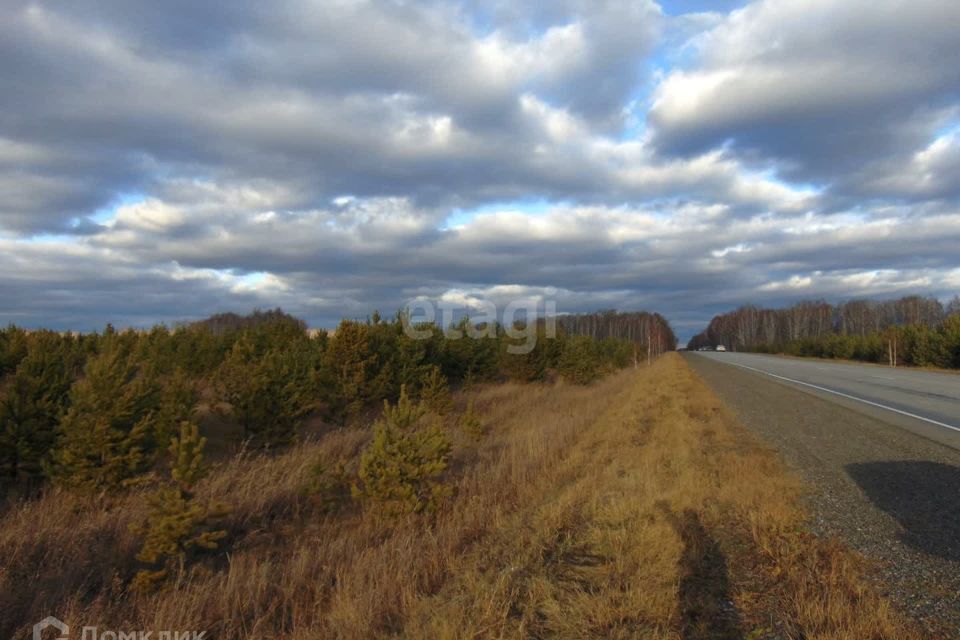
[890,494]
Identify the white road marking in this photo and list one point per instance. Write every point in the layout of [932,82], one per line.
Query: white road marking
[847,395]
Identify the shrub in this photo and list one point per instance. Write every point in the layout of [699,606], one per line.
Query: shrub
[839,346]
[617,352]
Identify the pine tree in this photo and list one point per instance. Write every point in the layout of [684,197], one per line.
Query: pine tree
[31,406]
[157,348]
[177,524]
[580,360]
[411,359]
[198,351]
[13,349]
[434,393]
[178,397]
[951,336]
[401,470]
[105,435]
[519,363]
[470,422]
[270,393]
[348,365]
[925,347]
[187,466]
[237,386]
[386,367]
[474,355]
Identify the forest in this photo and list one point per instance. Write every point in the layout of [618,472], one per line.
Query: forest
[95,411]
[912,330]
[131,424]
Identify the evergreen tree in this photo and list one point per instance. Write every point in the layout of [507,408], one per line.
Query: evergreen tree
[349,371]
[473,357]
[401,470]
[385,367]
[32,405]
[434,392]
[13,349]
[158,349]
[470,422]
[520,362]
[951,338]
[925,347]
[616,352]
[198,351]
[178,397]
[105,435]
[177,524]
[411,360]
[270,394]
[580,361]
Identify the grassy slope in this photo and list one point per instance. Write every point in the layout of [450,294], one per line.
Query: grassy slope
[635,507]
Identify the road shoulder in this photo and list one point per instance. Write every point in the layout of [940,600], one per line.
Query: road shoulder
[885,491]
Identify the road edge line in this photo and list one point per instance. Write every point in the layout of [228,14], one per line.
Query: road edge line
[847,395]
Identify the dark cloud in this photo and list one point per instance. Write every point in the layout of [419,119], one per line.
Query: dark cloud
[348,261]
[371,98]
[835,93]
[163,161]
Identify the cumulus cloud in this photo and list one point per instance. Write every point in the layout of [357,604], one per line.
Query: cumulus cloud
[334,263]
[372,98]
[161,162]
[827,91]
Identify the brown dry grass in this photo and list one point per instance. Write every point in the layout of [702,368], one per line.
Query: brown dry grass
[632,508]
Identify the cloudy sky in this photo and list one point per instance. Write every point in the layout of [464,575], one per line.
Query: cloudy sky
[161,161]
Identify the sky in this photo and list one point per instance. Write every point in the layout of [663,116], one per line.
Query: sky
[163,161]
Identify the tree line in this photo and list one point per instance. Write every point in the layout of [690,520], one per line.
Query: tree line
[650,333]
[99,413]
[96,411]
[912,330]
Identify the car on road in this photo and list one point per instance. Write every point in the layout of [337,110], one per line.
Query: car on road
[720,347]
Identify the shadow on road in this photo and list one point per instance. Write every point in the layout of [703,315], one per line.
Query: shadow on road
[705,600]
[924,497]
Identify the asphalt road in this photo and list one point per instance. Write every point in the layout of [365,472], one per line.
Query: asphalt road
[891,495]
[925,402]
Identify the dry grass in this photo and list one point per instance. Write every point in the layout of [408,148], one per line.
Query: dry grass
[633,508]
